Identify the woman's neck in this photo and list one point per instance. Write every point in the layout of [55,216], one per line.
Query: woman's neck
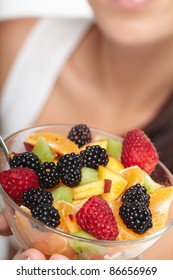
[140,70]
[127,84]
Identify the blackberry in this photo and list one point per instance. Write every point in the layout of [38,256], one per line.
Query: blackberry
[25,159]
[48,175]
[47,214]
[136,193]
[93,156]
[80,134]
[70,169]
[35,196]
[136,216]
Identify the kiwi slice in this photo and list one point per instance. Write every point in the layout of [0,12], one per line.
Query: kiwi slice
[43,150]
[89,175]
[62,193]
[149,183]
[114,147]
[84,249]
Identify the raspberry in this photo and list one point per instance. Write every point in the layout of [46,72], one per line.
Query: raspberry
[80,134]
[47,214]
[136,193]
[25,159]
[33,197]
[70,169]
[139,150]
[96,218]
[18,180]
[48,175]
[93,156]
[136,216]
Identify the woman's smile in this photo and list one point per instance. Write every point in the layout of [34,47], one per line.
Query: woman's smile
[131,4]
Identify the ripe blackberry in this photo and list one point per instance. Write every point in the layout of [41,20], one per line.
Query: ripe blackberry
[136,193]
[93,156]
[47,214]
[33,197]
[70,169]
[80,134]
[136,216]
[25,159]
[48,175]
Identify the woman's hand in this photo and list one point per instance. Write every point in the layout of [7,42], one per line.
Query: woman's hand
[4,228]
[33,254]
[30,254]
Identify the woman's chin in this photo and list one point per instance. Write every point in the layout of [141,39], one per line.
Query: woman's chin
[135,22]
[137,34]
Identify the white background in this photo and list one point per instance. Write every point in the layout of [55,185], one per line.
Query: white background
[164,269]
[22,8]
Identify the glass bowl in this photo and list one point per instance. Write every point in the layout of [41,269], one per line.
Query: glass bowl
[31,233]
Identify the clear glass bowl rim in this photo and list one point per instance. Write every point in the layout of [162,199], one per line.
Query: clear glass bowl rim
[92,241]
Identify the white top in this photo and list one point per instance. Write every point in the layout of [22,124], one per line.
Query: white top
[36,69]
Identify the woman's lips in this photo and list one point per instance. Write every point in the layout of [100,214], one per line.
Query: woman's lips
[131,4]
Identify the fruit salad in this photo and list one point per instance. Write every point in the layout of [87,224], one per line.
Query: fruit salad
[95,188]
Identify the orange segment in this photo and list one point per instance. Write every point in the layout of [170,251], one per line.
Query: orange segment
[133,175]
[64,208]
[124,232]
[58,143]
[160,202]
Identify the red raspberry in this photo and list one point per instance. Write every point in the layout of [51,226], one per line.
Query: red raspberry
[17,180]
[139,150]
[96,218]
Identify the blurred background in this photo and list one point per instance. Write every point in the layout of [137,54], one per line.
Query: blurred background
[36,8]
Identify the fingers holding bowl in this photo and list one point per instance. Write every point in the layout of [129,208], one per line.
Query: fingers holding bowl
[30,254]
[34,254]
[4,228]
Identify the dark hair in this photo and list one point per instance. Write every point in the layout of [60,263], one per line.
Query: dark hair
[160,131]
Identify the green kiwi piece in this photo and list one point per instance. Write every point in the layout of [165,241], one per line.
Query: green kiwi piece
[62,193]
[43,150]
[114,147]
[89,175]
[85,249]
[149,183]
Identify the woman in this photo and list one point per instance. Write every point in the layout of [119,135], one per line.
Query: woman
[114,72]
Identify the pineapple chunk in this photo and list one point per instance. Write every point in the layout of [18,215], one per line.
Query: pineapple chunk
[88,190]
[118,183]
[72,224]
[114,164]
